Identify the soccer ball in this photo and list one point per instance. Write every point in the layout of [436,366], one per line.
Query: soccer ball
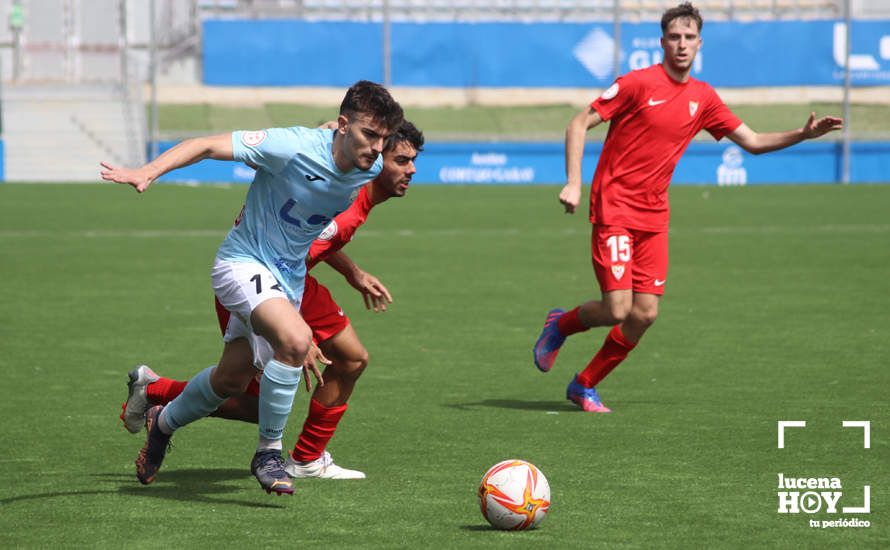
[514,494]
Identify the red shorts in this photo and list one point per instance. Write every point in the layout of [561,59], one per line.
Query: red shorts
[321,312]
[318,309]
[628,259]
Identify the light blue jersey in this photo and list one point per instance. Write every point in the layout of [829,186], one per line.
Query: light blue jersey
[296,192]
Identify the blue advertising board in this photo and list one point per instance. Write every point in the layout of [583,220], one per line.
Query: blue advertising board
[551,55]
[498,163]
[290,52]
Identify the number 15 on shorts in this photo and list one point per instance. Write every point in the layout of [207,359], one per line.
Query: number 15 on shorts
[619,248]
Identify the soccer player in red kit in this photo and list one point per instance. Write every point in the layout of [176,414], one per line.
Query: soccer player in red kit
[654,113]
[331,328]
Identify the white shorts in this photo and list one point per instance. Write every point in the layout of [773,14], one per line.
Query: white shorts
[240,287]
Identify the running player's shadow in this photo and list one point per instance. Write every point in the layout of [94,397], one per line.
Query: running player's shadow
[193,485]
[521,404]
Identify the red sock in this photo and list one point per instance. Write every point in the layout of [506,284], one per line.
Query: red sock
[164,390]
[613,352]
[569,323]
[318,429]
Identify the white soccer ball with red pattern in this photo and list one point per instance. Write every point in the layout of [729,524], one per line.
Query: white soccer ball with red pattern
[514,494]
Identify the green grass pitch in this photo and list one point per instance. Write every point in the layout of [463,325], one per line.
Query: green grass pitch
[776,309]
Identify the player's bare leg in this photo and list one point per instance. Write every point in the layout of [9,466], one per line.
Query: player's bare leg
[327,406]
[349,359]
[231,378]
[614,307]
[642,315]
[235,369]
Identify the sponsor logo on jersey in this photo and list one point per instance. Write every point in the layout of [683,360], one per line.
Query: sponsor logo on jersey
[693,107]
[659,282]
[611,92]
[653,103]
[329,231]
[618,271]
[252,139]
[313,177]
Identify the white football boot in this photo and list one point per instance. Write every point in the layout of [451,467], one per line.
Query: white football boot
[137,398]
[322,467]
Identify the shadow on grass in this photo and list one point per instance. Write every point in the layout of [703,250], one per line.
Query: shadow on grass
[479,528]
[195,485]
[522,404]
[192,485]
[485,528]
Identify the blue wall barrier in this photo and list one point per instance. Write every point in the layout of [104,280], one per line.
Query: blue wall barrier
[535,163]
[337,53]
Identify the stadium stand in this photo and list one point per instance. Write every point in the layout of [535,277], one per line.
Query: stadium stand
[523,10]
[71,93]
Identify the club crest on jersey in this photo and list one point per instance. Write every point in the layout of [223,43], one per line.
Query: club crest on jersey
[618,271]
[329,231]
[693,107]
[611,92]
[252,139]
[354,195]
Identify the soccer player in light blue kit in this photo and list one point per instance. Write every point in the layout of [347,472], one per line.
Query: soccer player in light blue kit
[304,178]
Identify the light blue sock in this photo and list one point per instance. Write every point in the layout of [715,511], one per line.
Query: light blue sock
[196,401]
[277,389]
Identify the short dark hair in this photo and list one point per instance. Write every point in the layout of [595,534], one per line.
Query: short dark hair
[370,98]
[686,9]
[407,132]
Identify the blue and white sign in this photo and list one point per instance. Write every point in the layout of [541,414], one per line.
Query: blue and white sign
[721,163]
[579,55]
[869,52]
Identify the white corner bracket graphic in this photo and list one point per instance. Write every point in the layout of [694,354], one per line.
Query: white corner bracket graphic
[788,424]
[866,430]
[866,503]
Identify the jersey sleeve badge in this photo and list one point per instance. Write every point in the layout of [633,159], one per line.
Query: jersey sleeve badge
[329,232]
[610,92]
[252,139]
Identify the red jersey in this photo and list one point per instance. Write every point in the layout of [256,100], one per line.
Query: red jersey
[340,231]
[653,119]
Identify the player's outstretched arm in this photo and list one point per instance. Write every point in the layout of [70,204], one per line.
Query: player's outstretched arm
[218,147]
[757,143]
[576,134]
[376,295]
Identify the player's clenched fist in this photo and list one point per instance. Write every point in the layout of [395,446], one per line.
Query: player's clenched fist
[570,196]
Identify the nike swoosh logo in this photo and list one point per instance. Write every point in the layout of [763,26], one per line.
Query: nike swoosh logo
[659,282]
[653,103]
